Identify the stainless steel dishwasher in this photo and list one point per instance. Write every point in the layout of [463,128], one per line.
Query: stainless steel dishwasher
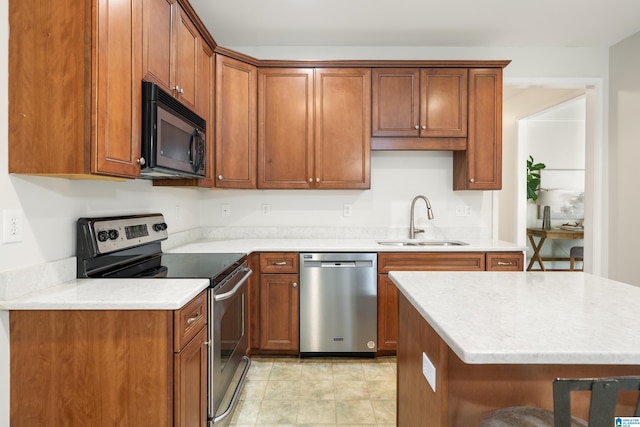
[338,303]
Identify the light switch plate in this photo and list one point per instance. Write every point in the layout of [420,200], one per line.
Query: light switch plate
[429,371]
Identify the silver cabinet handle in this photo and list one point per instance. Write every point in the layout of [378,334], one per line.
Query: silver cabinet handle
[504,263]
[294,284]
[141,161]
[190,320]
[179,90]
[279,263]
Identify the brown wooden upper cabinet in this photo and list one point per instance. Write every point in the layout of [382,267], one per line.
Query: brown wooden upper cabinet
[84,57]
[479,167]
[419,103]
[314,128]
[171,47]
[236,118]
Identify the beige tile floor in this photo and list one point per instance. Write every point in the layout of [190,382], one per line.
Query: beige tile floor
[323,392]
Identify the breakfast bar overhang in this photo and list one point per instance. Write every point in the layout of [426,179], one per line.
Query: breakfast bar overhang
[490,340]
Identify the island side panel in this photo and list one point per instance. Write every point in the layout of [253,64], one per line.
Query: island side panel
[418,404]
[476,390]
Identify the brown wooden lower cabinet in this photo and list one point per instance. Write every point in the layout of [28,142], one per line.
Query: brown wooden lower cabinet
[420,261]
[109,367]
[278,308]
[279,321]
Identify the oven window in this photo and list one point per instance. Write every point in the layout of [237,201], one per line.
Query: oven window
[231,329]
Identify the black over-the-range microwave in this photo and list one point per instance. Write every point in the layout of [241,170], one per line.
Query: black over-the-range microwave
[173,137]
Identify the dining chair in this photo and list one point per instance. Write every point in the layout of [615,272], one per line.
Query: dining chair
[576,253]
[604,397]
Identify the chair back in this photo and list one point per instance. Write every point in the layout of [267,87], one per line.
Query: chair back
[604,397]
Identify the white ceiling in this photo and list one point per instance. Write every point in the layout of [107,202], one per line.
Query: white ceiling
[444,23]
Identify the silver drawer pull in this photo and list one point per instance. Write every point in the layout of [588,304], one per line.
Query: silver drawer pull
[504,263]
[279,263]
[190,320]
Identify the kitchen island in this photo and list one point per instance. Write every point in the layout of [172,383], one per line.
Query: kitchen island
[499,339]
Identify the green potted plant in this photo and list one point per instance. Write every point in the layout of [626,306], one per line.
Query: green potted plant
[533,178]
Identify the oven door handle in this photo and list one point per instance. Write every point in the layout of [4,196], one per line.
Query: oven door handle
[227,295]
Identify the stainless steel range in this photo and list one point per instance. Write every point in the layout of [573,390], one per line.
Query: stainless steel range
[129,247]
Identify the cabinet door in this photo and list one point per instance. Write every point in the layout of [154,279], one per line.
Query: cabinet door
[190,383]
[480,166]
[204,106]
[118,90]
[279,312]
[236,119]
[285,128]
[157,42]
[435,261]
[395,102]
[187,53]
[443,102]
[342,127]
[387,313]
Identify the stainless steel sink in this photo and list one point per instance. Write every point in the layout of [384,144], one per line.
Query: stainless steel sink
[421,243]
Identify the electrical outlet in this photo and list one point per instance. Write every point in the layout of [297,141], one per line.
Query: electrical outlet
[12,225]
[346,210]
[463,210]
[225,210]
[266,209]
[429,371]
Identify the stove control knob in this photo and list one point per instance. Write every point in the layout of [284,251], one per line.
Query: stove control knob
[103,236]
[113,234]
[161,226]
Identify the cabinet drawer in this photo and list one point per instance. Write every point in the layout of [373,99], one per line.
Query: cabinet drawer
[188,321]
[279,262]
[505,261]
[412,261]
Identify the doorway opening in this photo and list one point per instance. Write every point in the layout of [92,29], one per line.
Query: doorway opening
[525,98]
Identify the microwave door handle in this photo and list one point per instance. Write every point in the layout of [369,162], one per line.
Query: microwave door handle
[201,149]
[196,151]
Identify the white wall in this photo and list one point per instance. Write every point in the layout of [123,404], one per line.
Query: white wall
[624,136]
[396,178]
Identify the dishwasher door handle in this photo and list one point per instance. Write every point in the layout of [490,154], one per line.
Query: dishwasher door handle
[331,264]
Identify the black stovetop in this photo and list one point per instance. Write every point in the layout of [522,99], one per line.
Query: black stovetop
[179,266]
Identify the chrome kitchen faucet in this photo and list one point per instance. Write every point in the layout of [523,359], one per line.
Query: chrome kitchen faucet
[412,229]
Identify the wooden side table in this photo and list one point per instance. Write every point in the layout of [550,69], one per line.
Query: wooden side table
[554,233]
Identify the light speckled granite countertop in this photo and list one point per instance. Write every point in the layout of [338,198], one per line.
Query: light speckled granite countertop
[337,245]
[152,294]
[111,294]
[528,317]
